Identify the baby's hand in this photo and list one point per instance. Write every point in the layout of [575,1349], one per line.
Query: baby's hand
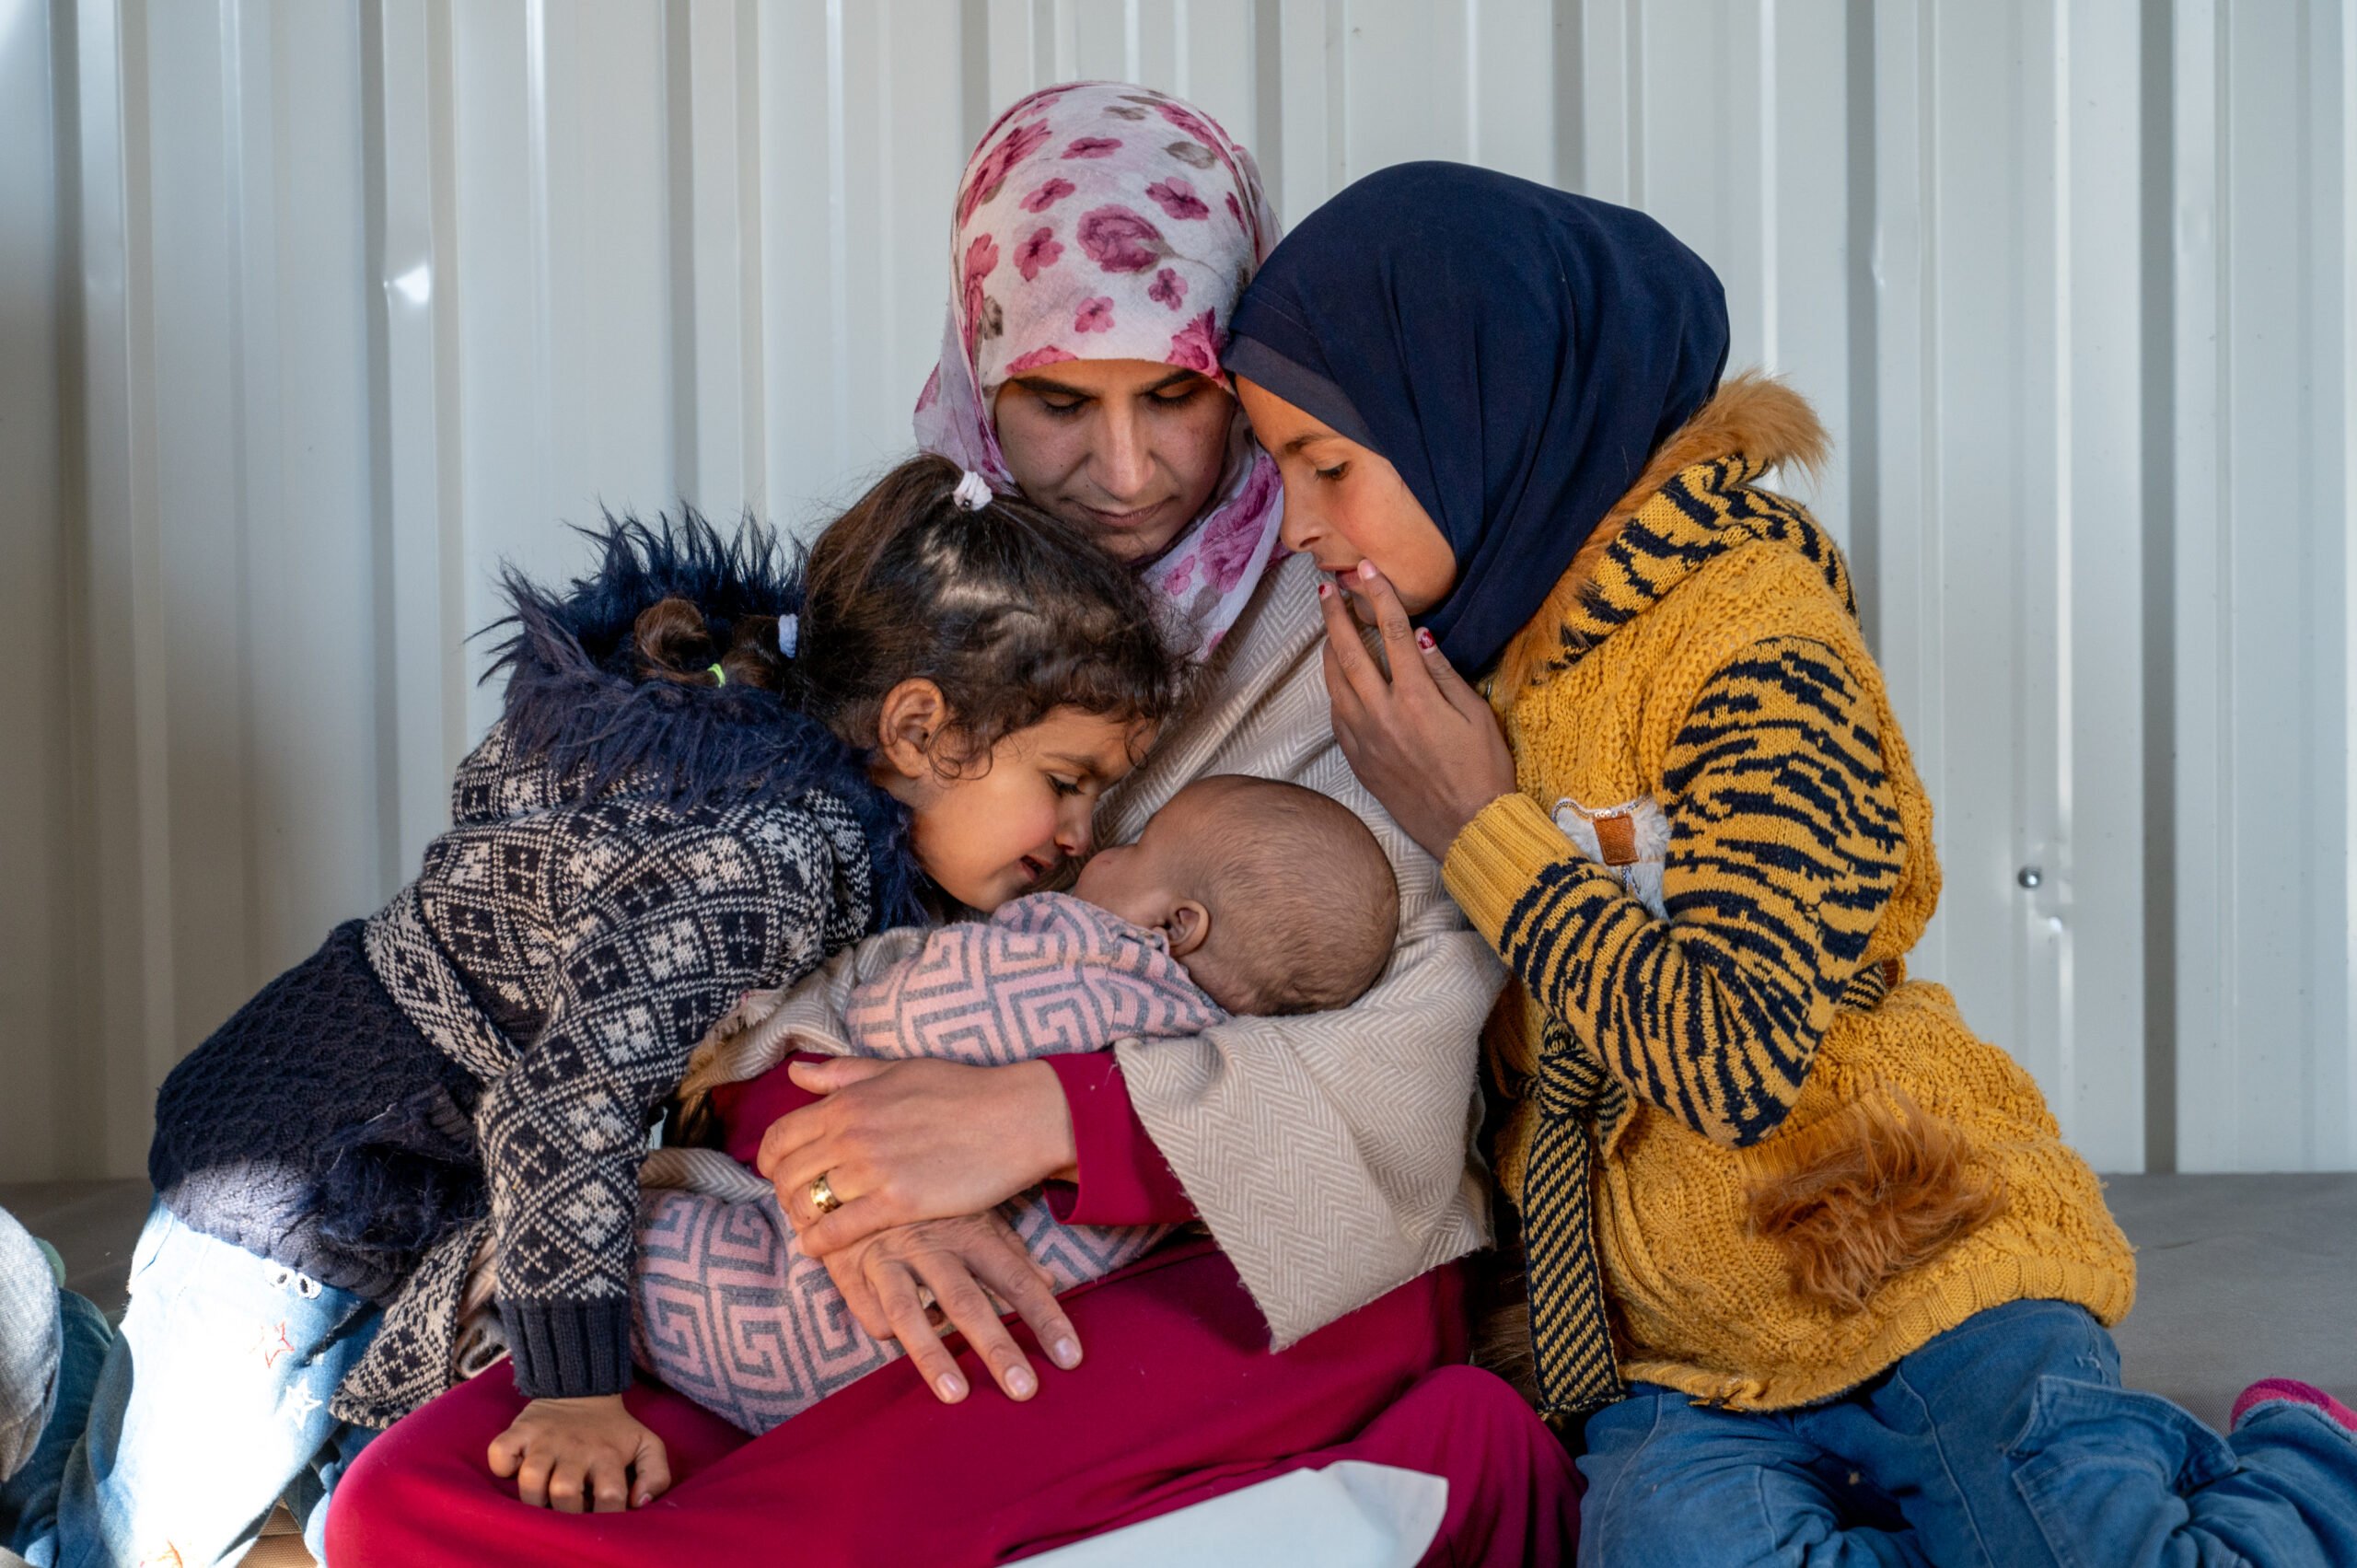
[582,1454]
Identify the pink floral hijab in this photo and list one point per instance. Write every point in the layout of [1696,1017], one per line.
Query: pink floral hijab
[1100,220]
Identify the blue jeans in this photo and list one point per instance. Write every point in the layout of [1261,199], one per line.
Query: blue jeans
[2005,1442]
[174,1439]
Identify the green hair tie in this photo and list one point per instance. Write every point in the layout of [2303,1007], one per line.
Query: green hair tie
[719,675]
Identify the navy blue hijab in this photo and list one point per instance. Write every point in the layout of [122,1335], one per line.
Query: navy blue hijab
[1516,353]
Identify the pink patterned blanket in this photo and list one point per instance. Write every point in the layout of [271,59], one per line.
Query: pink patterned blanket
[729,1310]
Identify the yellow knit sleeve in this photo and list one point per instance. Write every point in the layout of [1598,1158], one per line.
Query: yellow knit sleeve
[1785,845]
[1501,857]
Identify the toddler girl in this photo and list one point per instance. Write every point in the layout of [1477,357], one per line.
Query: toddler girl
[709,775]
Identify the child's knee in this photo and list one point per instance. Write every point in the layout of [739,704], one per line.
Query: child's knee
[2099,1463]
[1688,1486]
[1683,1517]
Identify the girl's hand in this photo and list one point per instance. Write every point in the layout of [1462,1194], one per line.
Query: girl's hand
[900,1142]
[588,1455]
[885,1278]
[1423,742]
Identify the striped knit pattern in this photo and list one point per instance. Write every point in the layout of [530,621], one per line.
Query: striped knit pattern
[1703,512]
[1790,845]
[1570,1333]
[1712,666]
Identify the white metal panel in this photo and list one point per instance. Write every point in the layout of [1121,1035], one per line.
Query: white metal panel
[2263,509]
[345,308]
[714,56]
[122,826]
[2096,819]
[410,283]
[40,1001]
[2337,1045]
[300,509]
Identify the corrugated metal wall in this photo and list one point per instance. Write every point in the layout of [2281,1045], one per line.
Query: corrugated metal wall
[310,313]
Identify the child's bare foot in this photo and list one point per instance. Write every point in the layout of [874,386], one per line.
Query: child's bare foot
[2270,1388]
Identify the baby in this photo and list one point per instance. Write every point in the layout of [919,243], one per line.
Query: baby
[1242,896]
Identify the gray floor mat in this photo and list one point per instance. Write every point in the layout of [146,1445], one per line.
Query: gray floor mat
[2240,1277]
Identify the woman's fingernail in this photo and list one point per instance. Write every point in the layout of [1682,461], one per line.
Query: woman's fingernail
[1022,1383]
[1424,637]
[1325,591]
[1064,1353]
[952,1386]
[642,1500]
[1366,571]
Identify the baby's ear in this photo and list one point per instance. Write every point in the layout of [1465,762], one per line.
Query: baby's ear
[1189,926]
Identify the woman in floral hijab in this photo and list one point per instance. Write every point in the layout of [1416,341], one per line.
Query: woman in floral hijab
[1102,235]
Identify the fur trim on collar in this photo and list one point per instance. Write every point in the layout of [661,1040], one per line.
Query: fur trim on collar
[576,705]
[1751,415]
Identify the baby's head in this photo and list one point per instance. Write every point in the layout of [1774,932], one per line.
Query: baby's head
[1276,899]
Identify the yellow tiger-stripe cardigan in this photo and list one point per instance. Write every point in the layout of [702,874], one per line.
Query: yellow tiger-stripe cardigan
[1664,1062]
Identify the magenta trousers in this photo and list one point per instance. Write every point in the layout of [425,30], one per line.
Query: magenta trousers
[1177,1400]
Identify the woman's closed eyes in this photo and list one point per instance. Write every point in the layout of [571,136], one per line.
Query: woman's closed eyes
[1065,402]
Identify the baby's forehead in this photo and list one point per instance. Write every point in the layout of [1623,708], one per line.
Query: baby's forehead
[1197,811]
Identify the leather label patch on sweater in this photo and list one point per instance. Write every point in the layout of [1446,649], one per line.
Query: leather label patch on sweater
[1616,836]
[1630,839]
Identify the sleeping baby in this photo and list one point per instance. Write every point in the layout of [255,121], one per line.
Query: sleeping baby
[1241,896]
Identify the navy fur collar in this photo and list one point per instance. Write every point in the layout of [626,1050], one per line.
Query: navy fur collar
[575,702]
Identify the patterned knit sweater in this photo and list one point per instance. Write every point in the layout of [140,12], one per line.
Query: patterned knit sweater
[1751,1162]
[626,858]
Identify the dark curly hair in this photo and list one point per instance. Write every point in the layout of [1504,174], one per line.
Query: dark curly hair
[1010,612]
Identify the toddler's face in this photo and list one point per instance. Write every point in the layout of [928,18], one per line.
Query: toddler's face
[990,835]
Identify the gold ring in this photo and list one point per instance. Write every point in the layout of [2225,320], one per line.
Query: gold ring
[822,1196]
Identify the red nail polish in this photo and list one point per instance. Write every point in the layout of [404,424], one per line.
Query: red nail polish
[1424,637]
[1325,591]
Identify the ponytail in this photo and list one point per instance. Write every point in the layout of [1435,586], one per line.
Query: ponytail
[675,643]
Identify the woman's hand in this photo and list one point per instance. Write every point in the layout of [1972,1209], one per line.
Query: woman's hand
[886,1280]
[1423,741]
[899,1141]
[576,1456]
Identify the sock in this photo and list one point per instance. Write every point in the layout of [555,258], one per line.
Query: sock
[2270,1388]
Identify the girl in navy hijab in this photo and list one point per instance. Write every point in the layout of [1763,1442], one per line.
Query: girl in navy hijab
[1515,353]
[1794,1233]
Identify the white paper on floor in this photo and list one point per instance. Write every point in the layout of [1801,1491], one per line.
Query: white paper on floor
[1349,1515]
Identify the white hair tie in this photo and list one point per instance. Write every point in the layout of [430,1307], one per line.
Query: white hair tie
[789,635]
[974,492]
